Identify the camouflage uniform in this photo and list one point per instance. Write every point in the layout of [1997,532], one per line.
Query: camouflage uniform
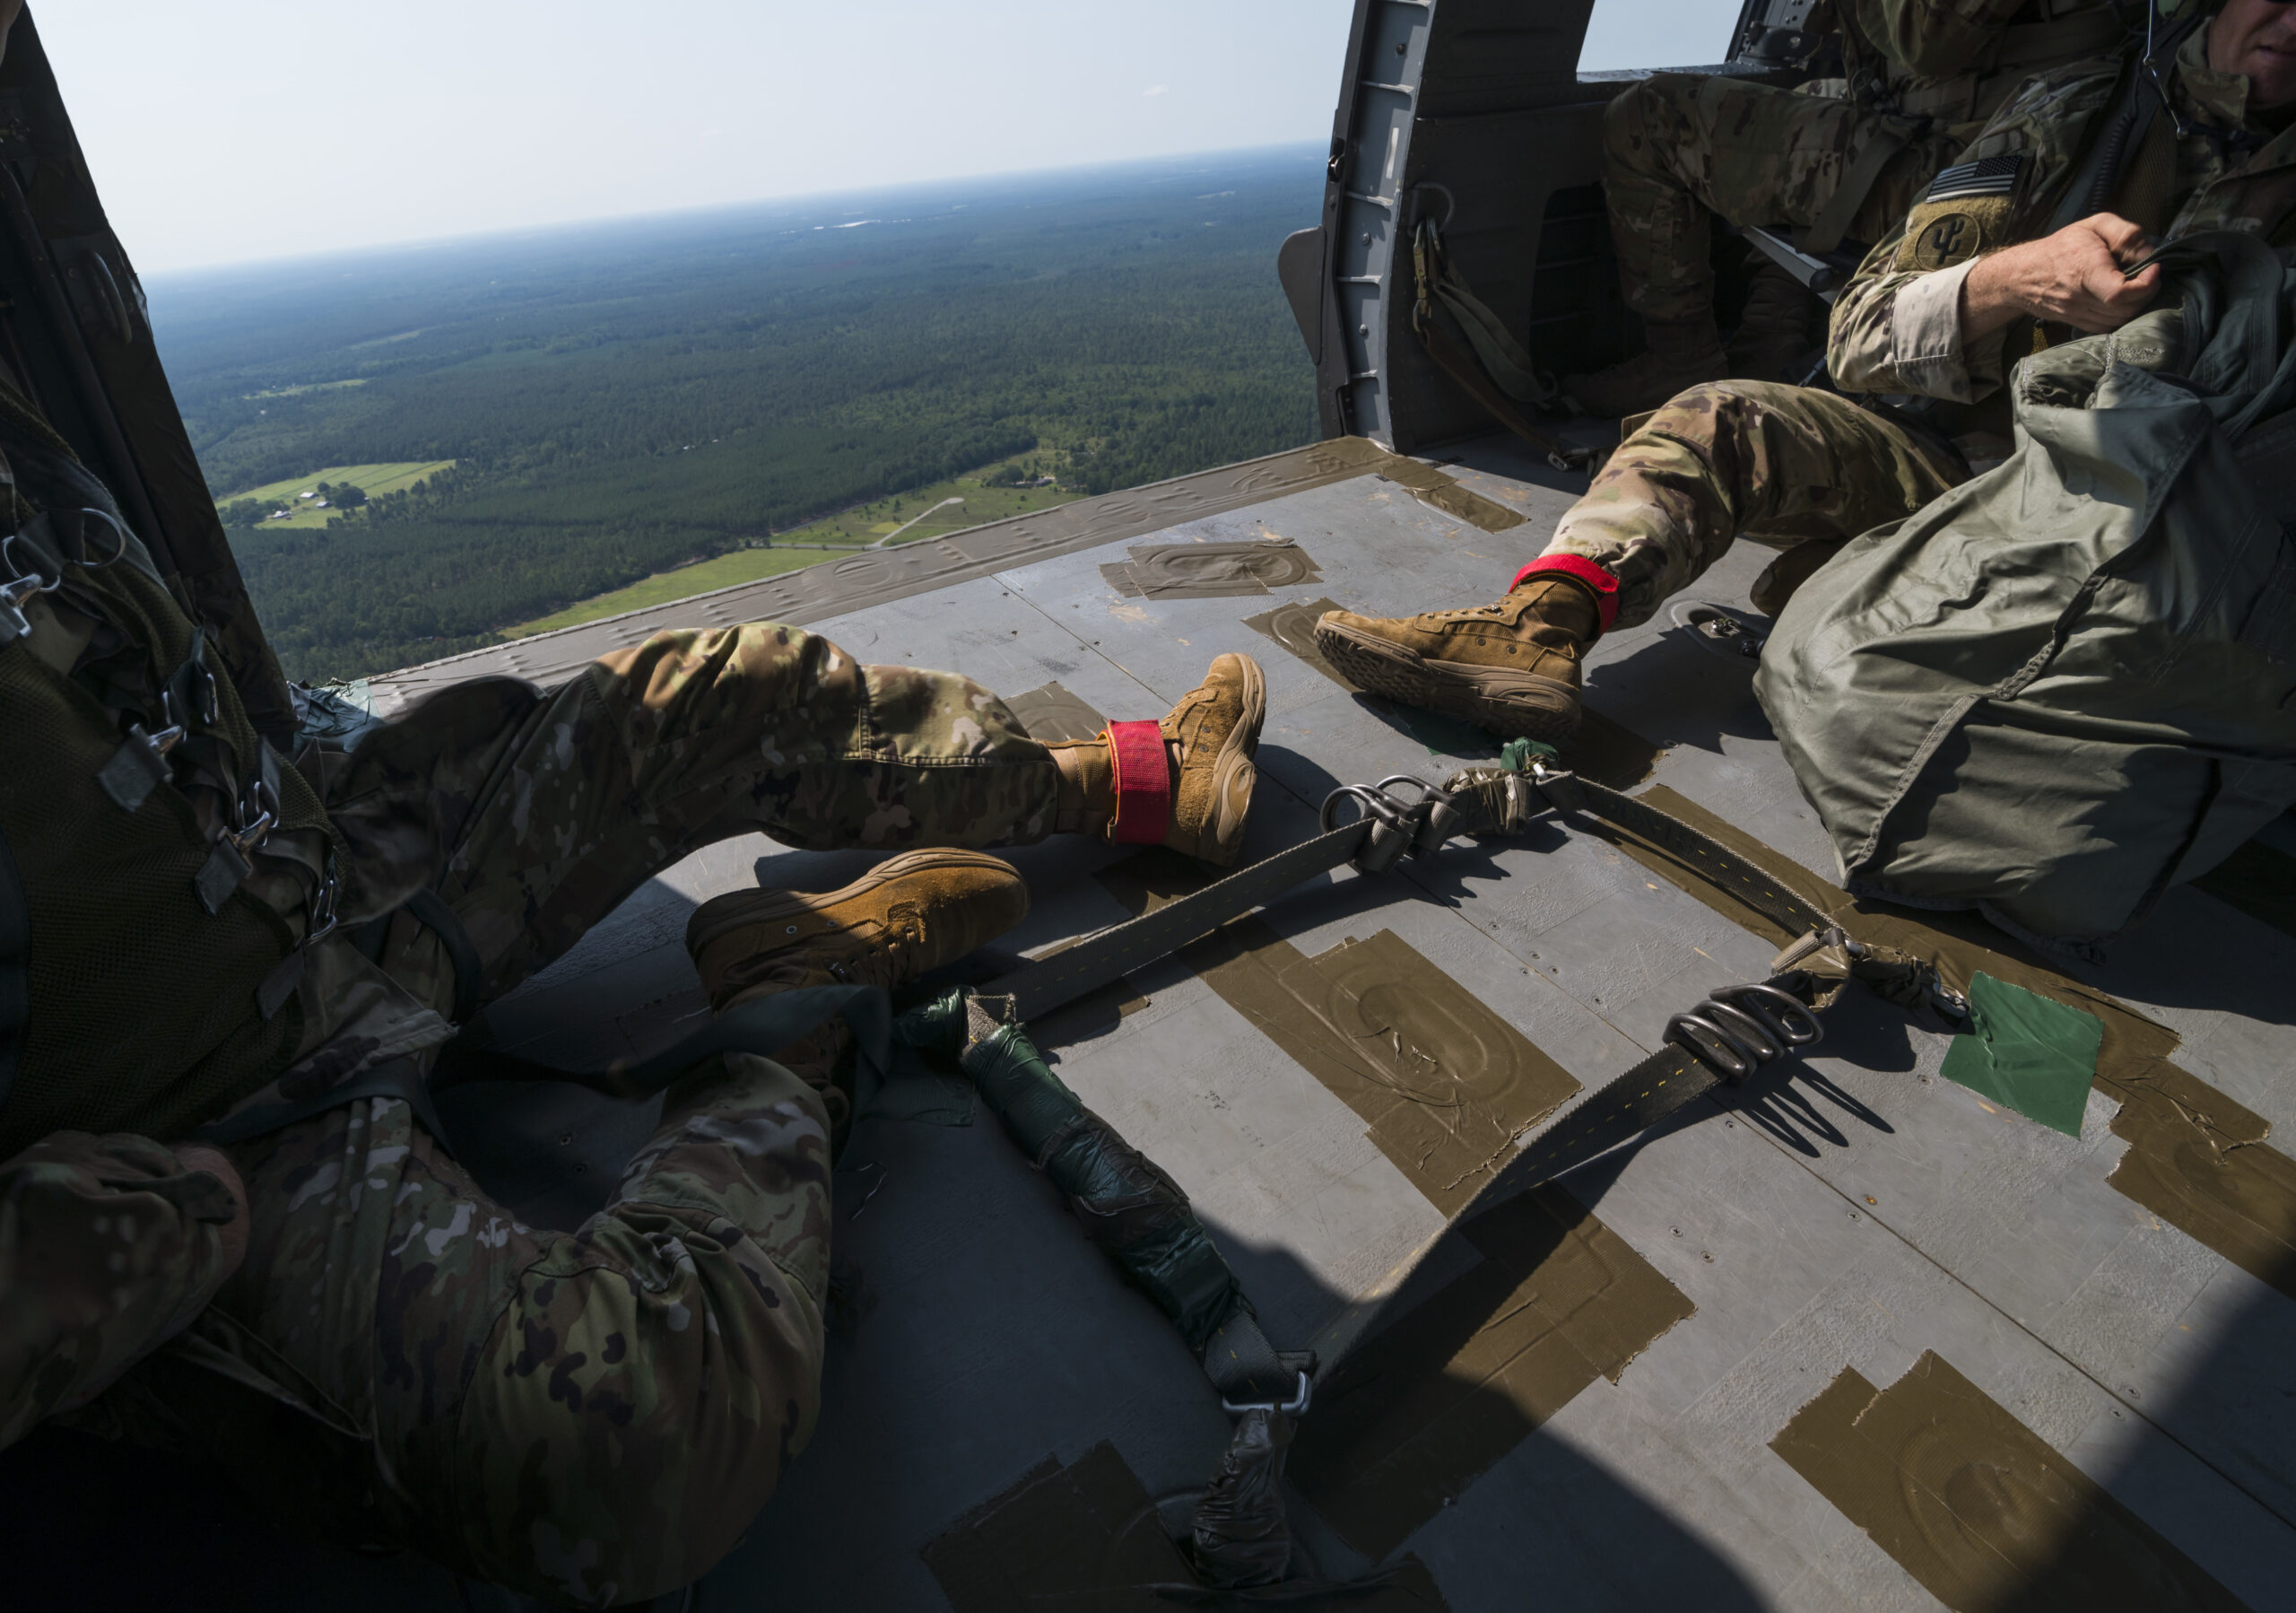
[1783,464]
[1679,148]
[1780,464]
[1896,327]
[109,1246]
[596,1415]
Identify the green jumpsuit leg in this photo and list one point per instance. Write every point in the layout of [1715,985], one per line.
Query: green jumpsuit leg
[1781,465]
[589,1416]
[1680,149]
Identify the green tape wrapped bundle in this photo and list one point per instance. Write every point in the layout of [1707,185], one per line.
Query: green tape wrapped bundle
[1136,1215]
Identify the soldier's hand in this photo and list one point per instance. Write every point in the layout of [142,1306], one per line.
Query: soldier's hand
[2076,276]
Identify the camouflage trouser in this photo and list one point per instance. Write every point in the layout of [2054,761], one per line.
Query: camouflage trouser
[1780,464]
[109,1245]
[1679,148]
[596,1415]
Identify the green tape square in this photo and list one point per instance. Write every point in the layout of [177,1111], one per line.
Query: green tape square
[2026,1051]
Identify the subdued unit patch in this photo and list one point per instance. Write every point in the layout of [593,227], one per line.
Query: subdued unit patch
[1051,713]
[2021,1049]
[2196,1159]
[1444,1085]
[1417,1413]
[2260,880]
[1211,571]
[1293,627]
[1977,1507]
[1087,1538]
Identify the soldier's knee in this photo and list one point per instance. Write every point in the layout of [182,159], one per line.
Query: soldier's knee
[1626,126]
[1646,123]
[634,1408]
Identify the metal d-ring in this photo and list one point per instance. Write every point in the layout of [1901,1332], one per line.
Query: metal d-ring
[1394,827]
[1437,810]
[120,548]
[1376,801]
[1738,1029]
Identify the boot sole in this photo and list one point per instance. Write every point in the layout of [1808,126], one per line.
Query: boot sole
[1232,791]
[1514,705]
[721,916]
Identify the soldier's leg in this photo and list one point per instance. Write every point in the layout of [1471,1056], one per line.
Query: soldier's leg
[589,1417]
[1680,149]
[1784,465]
[535,821]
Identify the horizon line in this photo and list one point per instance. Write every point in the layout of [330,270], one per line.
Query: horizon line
[413,244]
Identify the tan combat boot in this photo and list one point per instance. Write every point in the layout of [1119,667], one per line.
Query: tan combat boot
[907,915]
[1511,667]
[1185,782]
[1677,354]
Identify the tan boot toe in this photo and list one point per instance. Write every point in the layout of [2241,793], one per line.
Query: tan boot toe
[909,914]
[1216,727]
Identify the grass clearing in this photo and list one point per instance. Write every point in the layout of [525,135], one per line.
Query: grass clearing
[849,530]
[377,479]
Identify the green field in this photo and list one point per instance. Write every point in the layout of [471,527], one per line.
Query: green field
[855,529]
[377,479]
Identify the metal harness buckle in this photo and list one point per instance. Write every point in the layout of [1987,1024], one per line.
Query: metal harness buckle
[1292,1407]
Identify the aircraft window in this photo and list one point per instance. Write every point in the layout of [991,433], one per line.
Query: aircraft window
[1658,33]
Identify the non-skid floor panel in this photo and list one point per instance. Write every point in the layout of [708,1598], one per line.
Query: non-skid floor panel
[1587,1417]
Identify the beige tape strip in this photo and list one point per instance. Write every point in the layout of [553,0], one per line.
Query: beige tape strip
[2196,1158]
[1416,1414]
[1432,487]
[1444,1085]
[1977,1507]
[1087,1538]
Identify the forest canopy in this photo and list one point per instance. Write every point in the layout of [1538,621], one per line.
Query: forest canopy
[621,400]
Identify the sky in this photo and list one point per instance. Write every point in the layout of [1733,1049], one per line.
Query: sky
[228,131]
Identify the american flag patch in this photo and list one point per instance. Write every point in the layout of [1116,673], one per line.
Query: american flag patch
[1986,176]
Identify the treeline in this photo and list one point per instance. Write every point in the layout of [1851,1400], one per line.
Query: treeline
[617,411]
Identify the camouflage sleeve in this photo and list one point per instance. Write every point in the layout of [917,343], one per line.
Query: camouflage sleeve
[1899,331]
[1930,38]
[109,1247]
[1896,325]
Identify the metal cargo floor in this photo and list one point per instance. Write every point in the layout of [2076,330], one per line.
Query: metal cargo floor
[1851,1216]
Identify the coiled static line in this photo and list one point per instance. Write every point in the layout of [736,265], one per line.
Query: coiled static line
[1738,1029]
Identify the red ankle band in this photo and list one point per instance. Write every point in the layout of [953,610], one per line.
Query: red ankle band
[1143,784]
[1605,585]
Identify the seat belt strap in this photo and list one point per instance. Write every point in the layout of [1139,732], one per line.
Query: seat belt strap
[1840,210]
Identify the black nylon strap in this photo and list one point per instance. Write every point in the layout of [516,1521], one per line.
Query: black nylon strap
[432,911]
[1840,211]
[1709,858]
[400,1078]
[1111,954]
[1599,1122]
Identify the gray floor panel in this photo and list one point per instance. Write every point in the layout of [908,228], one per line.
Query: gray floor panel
[1852,1214]
[1853,1211]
